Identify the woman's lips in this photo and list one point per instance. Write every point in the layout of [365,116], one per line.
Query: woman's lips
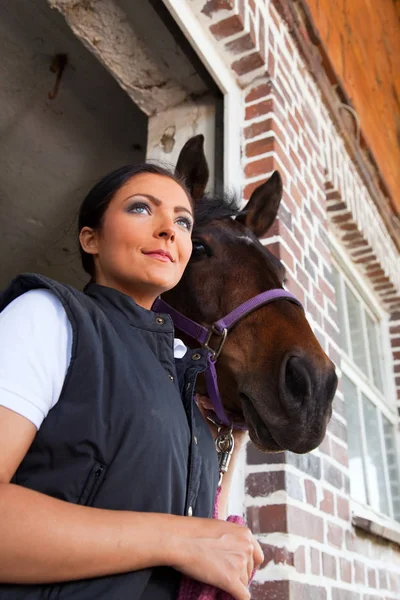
[160,255]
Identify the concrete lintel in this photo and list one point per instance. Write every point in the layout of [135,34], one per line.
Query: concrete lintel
[103,27]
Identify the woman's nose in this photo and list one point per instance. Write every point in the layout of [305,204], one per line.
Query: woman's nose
[166,230]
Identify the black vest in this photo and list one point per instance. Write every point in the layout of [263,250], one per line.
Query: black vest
[125,433]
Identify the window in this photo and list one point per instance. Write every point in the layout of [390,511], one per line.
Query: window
[367,385]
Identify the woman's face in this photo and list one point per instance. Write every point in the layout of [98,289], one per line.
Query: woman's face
[144,243]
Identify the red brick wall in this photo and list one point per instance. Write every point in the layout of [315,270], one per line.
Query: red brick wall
[300,506]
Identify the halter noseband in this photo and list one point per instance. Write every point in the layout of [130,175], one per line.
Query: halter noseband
[220,328]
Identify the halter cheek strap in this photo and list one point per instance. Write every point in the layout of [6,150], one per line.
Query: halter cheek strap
[220,328]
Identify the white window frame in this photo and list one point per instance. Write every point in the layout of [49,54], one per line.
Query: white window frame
[384,401]
[203,44]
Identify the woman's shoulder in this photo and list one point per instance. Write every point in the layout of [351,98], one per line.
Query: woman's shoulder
[32,289]
[36,302]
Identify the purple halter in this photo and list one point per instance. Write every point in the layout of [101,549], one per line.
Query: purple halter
[220,328]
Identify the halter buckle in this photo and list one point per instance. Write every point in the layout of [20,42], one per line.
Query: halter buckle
[215,352]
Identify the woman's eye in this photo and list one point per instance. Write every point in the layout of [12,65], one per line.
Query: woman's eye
[140,208]
[186,223]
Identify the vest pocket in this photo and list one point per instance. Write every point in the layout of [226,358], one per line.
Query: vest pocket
[88,494]
[92,484]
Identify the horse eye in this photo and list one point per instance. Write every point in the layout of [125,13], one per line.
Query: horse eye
[199,250]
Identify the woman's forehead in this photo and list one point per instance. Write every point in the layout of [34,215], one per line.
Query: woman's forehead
[160,186]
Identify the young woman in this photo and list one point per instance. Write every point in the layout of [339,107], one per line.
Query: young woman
[104,456]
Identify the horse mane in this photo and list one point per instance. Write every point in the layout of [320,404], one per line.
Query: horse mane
[212,207]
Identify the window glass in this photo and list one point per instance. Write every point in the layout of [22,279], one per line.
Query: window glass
[375,351]
[375,469]
[393,465]
[356,462]
[341,311]
[358,344]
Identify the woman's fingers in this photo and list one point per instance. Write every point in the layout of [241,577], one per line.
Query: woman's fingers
[221,554]
[258,554]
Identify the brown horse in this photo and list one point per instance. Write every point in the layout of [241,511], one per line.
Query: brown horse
[272,372]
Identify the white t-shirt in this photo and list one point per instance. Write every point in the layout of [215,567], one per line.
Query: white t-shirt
[35,352]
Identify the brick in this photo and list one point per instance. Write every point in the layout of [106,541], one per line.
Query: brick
[335,535]
[333,475]
[351,541]
[328,565]
[299,559]
[267,519]
[383,579]
[247,64]
[275,590]
[372,578]
[311,492]
[227,27]
[341,594]
[307,463]
[258,92]
[212,6]
[257,457]
[258,110]
[261,146]
[264,484]
[261,36]
[309,267]
[343,508]
[271,63]
[285,216]
[359,572]
[325,445]
[305,524]
[315,559]
[276,555]
[340,453]
[240,45]
[394,580]
[327,504]
[260,167]
[277,518]
[287,259]
[302,277]
[345,570]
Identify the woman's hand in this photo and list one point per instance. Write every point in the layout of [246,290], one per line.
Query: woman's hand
[217,553]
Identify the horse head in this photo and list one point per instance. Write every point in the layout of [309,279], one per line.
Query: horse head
[273,374]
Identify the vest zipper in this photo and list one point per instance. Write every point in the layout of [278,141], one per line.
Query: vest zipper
[92,484]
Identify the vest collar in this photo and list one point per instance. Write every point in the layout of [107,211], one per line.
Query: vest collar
[136,315]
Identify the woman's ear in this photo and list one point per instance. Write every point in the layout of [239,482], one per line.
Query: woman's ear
[88,240]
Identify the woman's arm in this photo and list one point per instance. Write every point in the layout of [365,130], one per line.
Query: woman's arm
[46,540]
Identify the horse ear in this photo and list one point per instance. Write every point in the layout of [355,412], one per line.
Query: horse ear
[192,166]
[261,210]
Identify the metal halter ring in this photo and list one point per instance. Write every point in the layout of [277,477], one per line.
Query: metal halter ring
[215,352]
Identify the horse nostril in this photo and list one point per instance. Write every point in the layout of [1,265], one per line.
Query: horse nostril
[331,384]
[297,378]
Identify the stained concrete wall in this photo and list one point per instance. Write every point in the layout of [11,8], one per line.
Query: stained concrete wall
[52,151]
[123,65]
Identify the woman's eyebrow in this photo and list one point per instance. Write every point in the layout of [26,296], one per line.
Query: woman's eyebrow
[158,202]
